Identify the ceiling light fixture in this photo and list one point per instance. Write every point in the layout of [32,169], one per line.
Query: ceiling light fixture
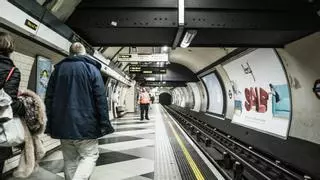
[188,37]
[165,49]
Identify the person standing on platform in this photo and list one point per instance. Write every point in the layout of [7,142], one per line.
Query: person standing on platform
[152,99]
[10,83]
[77,111]
[144,101]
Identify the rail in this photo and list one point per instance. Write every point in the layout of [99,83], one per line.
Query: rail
[237,160]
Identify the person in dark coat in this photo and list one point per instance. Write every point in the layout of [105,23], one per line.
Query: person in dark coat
[77,111]
[11,87]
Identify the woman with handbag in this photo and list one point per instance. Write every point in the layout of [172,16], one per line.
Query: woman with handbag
[10,83]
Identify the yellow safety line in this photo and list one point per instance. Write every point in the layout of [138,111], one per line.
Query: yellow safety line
[186,153]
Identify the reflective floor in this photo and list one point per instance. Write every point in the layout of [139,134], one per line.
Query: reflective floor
[126,154]
[138,150]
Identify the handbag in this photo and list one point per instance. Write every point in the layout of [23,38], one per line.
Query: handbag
[11,128]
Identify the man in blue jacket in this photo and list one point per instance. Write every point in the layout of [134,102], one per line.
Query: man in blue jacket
[77,111]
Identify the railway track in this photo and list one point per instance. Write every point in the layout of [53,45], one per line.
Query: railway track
[234,159]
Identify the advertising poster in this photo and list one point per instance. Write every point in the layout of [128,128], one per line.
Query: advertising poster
[44,68]
[261,92]
[215,94]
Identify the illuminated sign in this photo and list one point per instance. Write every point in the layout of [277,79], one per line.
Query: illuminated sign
[31,24]
[143,57]
[124,56]
[134,69]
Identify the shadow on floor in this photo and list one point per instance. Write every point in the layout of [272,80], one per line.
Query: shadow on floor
[39,175]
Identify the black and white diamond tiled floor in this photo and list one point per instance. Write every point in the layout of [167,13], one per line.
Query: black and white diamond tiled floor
[126,154]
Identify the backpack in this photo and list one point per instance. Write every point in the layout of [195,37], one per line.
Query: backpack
[11,128]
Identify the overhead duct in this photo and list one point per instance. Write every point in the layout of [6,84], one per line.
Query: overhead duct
[219,23]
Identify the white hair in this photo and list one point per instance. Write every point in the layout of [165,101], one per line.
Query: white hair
[77,49]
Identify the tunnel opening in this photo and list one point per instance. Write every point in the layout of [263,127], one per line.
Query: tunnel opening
[165,99]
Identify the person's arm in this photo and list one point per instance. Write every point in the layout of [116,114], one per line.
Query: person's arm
[12,88]
[49,100]
[100,99]
[139,97]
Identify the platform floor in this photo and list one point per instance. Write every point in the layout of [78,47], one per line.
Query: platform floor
[138,150]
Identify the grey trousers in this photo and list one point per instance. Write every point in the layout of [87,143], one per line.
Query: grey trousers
[80,158]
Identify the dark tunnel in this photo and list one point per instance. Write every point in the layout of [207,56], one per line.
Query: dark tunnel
[165,99]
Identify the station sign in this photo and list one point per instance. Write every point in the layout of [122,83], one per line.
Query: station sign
[143,57]
[124,56]
[134,69]
[31,25]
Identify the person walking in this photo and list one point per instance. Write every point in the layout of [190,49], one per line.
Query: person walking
[77,111]
[10,82]
[144,101]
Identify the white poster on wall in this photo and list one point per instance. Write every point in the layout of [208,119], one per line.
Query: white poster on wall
[215,94]
[260,92]
[44,69]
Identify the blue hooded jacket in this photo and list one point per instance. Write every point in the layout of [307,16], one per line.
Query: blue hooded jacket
[76,102]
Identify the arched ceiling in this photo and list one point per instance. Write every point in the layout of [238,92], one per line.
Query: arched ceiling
[197,58]
[193,58]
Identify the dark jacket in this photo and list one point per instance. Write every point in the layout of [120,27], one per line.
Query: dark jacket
[11,88]
[76,100]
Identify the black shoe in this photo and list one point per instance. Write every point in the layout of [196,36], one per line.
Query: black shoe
[141,119]
[147,119]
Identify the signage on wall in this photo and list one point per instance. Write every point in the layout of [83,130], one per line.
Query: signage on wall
[261,92]
[316,88]
[31,24]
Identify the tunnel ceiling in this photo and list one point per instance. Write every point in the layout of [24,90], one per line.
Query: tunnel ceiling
[219,23]
[193,58]
[197,58]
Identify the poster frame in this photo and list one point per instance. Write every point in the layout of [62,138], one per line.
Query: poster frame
[37,72]
[251,50]
[215,72]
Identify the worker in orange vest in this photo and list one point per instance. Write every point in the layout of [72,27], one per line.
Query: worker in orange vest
[144,101]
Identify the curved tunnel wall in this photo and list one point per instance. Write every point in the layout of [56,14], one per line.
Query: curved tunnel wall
[290,98]
[278,101]
[196,96]
[240,90]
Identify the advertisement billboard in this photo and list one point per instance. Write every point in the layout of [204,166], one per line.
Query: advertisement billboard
[261,93]
[44,68]
[215,94]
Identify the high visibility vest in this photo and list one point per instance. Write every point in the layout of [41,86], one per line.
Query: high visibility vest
[144,98]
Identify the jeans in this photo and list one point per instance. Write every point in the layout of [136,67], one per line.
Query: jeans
[144,108]
[80,158]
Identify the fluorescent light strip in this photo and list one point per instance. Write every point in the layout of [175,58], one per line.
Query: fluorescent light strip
[188,37]
[181,12]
